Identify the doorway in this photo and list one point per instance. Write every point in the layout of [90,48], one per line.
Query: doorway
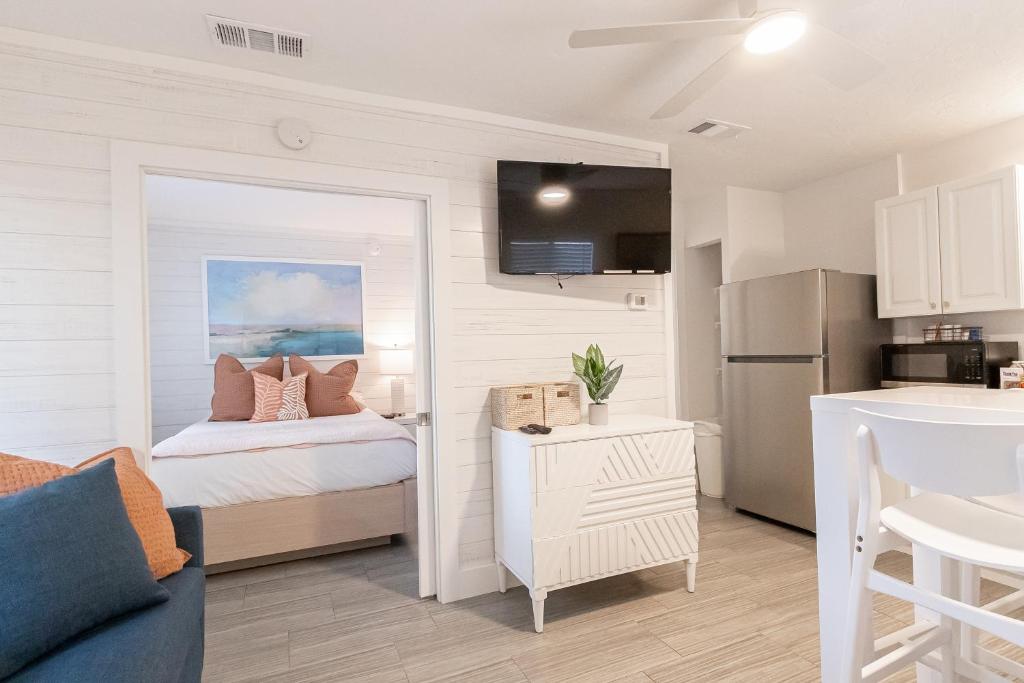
[135,375]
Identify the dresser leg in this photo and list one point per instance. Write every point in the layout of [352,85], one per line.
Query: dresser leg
[502,578]
[538,609]
[691,575]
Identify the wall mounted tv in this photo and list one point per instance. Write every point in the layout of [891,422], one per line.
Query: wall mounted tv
[577,219]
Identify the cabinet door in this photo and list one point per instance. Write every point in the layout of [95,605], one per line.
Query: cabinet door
[907,254]
[979,230]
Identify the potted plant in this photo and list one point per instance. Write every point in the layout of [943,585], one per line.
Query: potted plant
[600,378]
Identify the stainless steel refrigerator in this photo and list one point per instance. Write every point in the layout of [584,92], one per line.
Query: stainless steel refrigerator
[784,339]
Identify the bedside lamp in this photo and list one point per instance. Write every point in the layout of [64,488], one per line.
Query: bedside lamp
[396,362]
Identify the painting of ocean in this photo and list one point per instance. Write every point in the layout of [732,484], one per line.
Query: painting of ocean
[257,308]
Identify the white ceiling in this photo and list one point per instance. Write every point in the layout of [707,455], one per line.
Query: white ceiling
[952,66]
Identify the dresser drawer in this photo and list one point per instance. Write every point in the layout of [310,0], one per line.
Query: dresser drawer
[566,511]
[615,548]
[620,459]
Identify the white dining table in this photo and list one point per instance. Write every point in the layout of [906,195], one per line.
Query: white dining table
[835,484]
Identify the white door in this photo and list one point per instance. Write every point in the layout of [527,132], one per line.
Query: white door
[907,254]
[980,238]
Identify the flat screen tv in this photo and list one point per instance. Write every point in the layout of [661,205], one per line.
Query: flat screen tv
[578,219]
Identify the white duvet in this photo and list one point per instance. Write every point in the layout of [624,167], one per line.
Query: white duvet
[213,464]
[205,438]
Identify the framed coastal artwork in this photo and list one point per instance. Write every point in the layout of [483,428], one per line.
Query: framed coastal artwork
[254,308]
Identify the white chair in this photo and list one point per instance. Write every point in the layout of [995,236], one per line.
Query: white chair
[947,463]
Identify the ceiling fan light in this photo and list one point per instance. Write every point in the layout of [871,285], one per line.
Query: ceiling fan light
[775,32]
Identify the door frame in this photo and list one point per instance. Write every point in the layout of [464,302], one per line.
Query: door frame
[130,162]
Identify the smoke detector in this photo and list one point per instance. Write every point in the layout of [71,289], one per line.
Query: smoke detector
[711,128]
[233,33]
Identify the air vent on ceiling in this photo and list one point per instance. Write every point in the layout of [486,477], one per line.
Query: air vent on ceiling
[711,128]
[232,33]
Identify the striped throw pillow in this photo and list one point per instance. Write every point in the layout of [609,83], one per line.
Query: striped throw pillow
[276,400]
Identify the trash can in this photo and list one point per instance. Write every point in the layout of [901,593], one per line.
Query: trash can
[708,444]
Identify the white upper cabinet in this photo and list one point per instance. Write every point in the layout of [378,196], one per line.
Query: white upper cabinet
[907,253]
[955,248]
[979,234]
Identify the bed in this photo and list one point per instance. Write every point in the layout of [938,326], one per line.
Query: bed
[281,490]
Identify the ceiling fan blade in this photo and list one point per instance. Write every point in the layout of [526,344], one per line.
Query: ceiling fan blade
[747,8]
[706,80]
[838,60]
[658,33]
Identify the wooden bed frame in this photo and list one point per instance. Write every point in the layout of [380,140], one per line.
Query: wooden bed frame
[253,534]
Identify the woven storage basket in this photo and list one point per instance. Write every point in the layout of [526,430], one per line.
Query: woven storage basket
[561,404]
[516,405]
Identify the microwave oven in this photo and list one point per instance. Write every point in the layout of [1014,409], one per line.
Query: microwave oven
[949,364]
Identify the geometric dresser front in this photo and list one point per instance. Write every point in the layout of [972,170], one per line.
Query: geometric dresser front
[586,502]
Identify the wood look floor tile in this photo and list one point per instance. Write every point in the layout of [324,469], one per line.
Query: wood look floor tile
[366,596]
[451,653]
[357,617]
[359,633]
[247,659]
[224,601]
[501,672]
[595,656]
[270,620]
[381,665]
[295,587]
[755,659]
[245,577]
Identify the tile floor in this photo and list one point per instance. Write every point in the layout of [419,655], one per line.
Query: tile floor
[355,617]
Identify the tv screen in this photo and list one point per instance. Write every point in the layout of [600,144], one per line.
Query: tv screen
[576,219]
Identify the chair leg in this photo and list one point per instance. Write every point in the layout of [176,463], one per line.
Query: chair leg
[950,651]
[970,593]
[859,639]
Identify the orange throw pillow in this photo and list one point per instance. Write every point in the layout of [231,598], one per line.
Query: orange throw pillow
[328,393]
[142,500]
[145,506]
[280,400]
[233,390]
[17,473]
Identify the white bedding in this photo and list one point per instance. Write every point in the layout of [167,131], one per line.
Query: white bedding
[247,477]
[204,438]
[212,464]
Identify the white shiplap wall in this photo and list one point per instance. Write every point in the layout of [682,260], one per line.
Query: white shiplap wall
[58,113]
[182,381]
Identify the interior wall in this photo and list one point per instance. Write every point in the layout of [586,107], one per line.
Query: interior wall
[830,223]
[190,219]
[58,113]
[754,244]
[703,329]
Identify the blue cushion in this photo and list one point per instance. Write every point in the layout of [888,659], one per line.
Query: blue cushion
[162,644]
[69,560]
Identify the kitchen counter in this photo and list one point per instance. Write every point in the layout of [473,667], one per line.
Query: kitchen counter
[835,487]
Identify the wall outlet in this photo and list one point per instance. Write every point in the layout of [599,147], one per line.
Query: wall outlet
[638,302]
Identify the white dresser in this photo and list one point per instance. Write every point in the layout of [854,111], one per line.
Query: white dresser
[586,502]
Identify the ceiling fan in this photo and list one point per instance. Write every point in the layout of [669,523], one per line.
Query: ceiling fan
[830,55]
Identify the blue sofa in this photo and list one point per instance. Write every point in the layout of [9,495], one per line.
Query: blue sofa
[160,644]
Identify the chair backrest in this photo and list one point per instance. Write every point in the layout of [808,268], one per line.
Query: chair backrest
[955,458]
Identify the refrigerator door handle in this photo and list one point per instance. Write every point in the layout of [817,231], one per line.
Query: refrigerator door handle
[771,359]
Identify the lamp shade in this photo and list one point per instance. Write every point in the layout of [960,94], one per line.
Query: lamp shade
[396,362]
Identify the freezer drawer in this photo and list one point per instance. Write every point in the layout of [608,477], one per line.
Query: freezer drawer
[774,316]
[769,467]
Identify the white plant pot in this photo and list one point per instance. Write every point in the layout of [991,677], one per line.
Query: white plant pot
[598,413]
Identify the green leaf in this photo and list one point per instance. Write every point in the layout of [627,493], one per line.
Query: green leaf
[579,364]
[608,383]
